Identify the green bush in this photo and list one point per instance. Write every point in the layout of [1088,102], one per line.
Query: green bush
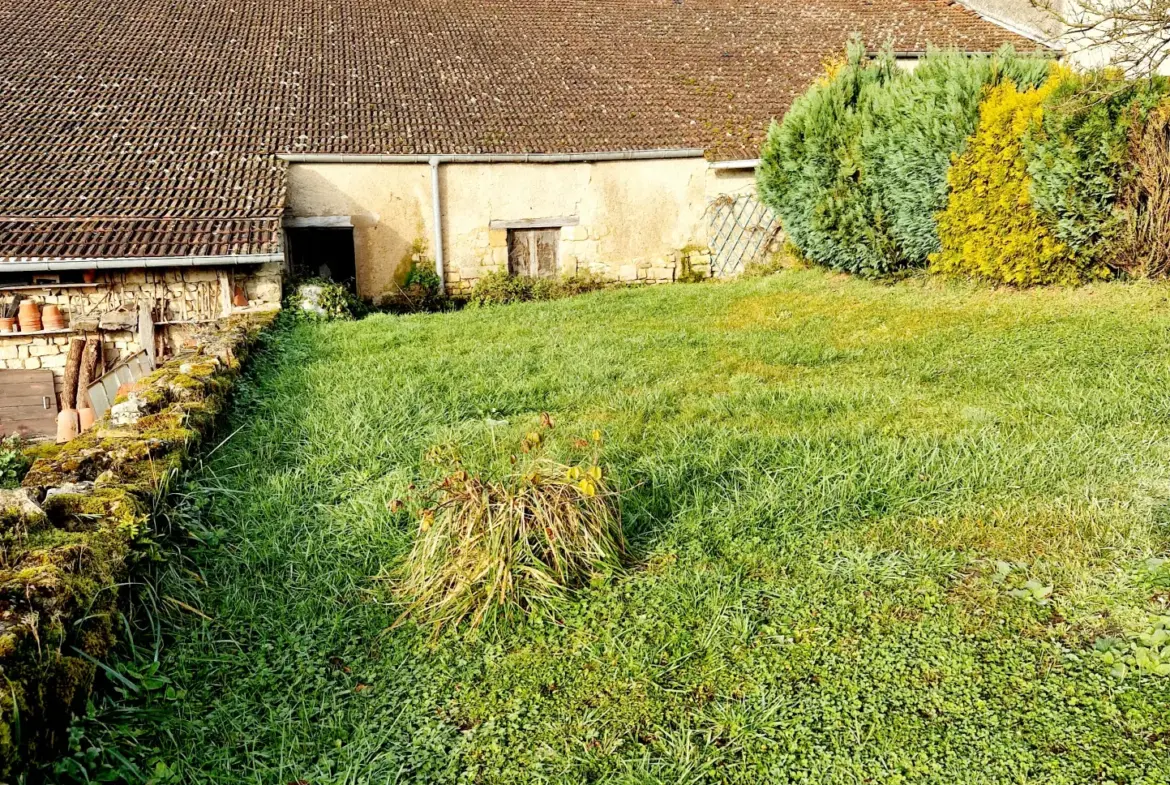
[1078,158]
[500,288]
[918,124]
[990,228]
[810,169]
[334,302]
[857,170]
[423,289]
[13,462]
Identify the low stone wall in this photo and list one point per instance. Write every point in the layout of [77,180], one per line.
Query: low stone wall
[67,534]
[184,299]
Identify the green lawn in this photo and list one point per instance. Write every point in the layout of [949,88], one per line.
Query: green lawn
[837,493]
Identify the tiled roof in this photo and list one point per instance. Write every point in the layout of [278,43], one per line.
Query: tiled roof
[159,121]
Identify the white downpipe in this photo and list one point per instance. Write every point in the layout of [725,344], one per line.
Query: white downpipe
[434,162]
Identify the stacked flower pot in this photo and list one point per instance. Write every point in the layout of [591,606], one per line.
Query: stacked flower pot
[30,317]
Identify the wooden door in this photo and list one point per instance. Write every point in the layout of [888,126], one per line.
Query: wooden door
[532,253]
[28,403]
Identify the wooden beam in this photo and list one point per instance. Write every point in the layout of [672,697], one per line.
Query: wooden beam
[536,223]
[89,371]
[72,370]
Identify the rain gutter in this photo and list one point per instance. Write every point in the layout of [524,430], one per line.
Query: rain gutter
[137,262]
[491,158]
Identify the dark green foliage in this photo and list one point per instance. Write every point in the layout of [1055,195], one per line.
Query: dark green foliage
[13,462]
[423,289]
[918,123]
[857,169]
[1079,158]
[811,170]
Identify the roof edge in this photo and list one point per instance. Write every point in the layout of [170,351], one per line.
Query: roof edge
[492,158]
[135,262]
[1013,27]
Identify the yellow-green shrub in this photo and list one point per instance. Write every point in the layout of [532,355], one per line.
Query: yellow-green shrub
[990,227]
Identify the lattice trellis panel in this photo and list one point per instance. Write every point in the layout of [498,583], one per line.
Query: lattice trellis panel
[740,230]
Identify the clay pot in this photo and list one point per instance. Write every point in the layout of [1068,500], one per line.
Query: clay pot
[7,324]
[239,299]
[85,418]
[52,319]
[68,425]
[30,316]
[89,276]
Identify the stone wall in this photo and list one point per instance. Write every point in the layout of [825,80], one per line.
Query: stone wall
[642,220]
[66,537]
[182,298]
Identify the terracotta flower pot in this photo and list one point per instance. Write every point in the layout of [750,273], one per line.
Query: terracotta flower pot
[52,319]
[89,276]
[240,300]
[7,324]
[67,425]
[85,418]
[30,316]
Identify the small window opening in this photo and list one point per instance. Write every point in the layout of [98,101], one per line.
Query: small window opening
[532,253]
[322,253]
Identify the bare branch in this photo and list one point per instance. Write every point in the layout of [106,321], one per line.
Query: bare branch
[1131,34]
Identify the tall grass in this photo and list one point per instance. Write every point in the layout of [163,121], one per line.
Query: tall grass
[820,478]
[516,545]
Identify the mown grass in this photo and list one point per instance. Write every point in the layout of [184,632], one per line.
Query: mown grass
[835,492]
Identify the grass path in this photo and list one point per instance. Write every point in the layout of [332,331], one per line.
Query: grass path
[838,492]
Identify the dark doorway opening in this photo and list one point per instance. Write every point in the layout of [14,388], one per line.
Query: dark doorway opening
[323,253]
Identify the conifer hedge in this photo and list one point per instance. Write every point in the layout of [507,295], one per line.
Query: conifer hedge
[1078,158]
[857,169]
[990,228]
[1005,167]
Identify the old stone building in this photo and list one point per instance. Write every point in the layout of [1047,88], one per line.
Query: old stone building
[183,154]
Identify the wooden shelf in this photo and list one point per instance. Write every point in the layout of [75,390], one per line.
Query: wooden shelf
[40,287]
[38,332]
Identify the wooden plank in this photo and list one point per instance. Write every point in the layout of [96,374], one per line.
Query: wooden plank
[146,330]
[25,388]
[8,421]
[547,242]
[66,331]
[536,223]
[23,377]
[32,419]
[40,287]
[22,401]
[519,253]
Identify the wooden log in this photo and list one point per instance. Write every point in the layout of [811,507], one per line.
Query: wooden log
[72,370]
[146,332]
[89,371]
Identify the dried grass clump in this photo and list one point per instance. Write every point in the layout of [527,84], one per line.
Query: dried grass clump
[487,548]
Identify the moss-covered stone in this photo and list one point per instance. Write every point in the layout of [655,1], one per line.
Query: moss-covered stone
[61,565]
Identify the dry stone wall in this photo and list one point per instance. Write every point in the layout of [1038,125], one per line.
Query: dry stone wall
[67,535]
[183,300]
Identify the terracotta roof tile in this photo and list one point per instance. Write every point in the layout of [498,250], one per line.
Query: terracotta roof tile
[172,112]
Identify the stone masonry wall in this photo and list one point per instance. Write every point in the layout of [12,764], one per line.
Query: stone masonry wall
[68,534]
[578,255]
[183,298]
